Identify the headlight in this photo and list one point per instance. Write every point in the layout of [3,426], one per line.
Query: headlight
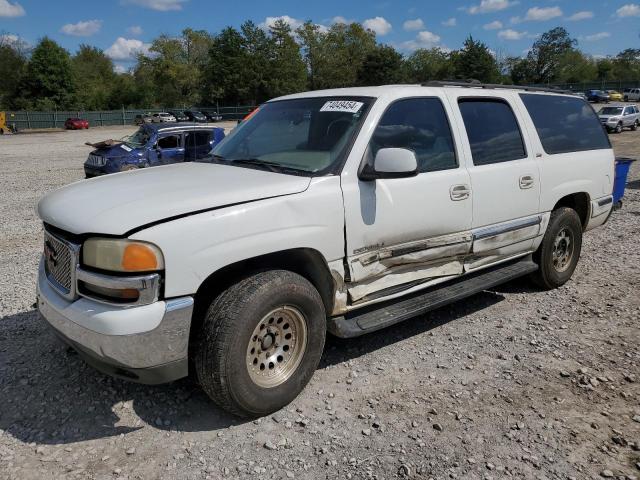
[121,255]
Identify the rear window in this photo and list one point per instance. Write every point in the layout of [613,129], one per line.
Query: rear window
[565,124]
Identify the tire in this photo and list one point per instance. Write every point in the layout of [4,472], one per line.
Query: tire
[626,99]
[230,364]
[635,125]
[618,128]
[555,270]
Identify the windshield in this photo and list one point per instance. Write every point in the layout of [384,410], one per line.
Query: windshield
[308,135]
[611,111]
[138,139]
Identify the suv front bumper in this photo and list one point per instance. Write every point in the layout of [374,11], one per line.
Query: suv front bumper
[145,344]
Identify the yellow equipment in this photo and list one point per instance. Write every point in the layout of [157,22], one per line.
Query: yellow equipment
[3,123]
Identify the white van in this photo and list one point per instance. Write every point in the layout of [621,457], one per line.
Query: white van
[343,210]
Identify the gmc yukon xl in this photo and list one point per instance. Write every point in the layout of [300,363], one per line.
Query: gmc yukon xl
[341,211]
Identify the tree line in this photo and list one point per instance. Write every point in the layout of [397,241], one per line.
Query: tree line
[250,65]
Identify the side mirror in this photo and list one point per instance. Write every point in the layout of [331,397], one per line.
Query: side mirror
[391,163]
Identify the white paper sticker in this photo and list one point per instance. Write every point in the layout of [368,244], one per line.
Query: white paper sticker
[348,106]
[124,147]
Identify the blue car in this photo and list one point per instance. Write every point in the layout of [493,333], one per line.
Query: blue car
[153,145]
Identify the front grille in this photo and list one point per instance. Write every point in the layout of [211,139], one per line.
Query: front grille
[96,160]
[59,264]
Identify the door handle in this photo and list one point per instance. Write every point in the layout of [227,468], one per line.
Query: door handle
[526,181]
[459,192]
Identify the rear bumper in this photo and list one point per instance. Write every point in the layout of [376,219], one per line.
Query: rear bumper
[146,344]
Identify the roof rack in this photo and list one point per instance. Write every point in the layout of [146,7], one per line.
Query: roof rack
[476,84]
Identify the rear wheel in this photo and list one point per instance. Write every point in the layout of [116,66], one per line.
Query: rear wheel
[559,251]
[260,343]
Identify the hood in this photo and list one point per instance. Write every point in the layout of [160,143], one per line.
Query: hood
[115,204]
[115,151]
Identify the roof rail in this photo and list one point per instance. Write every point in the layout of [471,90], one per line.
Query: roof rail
[445,83]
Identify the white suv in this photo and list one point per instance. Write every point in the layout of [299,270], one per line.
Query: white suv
[631,94]
[343,210]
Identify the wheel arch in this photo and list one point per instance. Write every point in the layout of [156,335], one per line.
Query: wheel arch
[580,202]
[307,262]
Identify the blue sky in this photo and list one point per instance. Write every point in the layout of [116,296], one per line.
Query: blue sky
[122,27]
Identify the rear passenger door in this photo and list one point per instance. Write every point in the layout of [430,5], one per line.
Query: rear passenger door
[505,180]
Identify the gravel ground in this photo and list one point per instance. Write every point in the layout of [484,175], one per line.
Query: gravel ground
[511,383]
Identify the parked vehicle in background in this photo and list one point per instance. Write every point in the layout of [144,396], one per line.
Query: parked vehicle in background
[614,119]
[212,116]
[631,94]
[179,115]
[153,145]
[76,124]
[581,95]
[163,117]
[142,118]
[597,96]
[614,96]
[345,210]
[195,116]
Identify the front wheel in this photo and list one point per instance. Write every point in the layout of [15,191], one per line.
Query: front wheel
[260,343]
[618,128]
[635,125]
[558,254]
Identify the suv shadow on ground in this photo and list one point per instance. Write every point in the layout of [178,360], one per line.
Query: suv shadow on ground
[53,398]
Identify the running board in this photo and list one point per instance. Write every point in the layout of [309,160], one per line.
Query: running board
[382,315]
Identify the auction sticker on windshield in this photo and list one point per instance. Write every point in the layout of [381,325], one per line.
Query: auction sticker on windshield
[348,106]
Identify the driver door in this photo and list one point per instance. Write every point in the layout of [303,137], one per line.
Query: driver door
[169,149]
[402,232]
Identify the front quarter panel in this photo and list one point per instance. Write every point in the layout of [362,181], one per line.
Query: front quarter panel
[196,246]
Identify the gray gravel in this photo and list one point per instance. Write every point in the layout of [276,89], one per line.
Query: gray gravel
[511,383]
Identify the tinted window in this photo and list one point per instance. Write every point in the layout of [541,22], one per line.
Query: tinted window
[420,125]
[565,124]
[494,135]
[170,141]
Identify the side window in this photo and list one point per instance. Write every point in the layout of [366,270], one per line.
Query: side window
[493,131]
[421,125]
[198,138]
[565,124]
[170,141]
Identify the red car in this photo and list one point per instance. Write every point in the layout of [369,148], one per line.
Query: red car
[76,123]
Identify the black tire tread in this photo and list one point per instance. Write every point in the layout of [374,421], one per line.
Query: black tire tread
[216,333]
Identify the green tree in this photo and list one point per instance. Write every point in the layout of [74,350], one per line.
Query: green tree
[48,83]
[428,64]
[475,61]
[93,72]
[383,65]
[626,65]
[547,53]
[575,67]
[287,71]
[224,72]
[13,64]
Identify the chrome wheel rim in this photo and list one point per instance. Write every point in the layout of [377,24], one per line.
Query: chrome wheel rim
[276,347]
[562,252]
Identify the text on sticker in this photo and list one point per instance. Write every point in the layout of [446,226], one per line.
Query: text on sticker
[348,106]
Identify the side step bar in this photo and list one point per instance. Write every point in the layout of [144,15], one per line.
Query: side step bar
[389,313]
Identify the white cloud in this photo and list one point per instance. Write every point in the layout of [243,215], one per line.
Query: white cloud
[8,9]
[510,34]
[9,38]
[629,10]
[451,22]
[340,19]
[537,14]
[158,5]
[119,68]
[82,29]
[269,22]
[424,39]
[584,15]
[127,49]
[378,24]
[411,25]
[596,36]
[135,30]
[495,25]
[487,6]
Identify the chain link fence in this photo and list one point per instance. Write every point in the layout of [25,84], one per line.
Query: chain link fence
[55,119]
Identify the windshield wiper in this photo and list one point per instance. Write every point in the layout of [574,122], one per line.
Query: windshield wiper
[271,166]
